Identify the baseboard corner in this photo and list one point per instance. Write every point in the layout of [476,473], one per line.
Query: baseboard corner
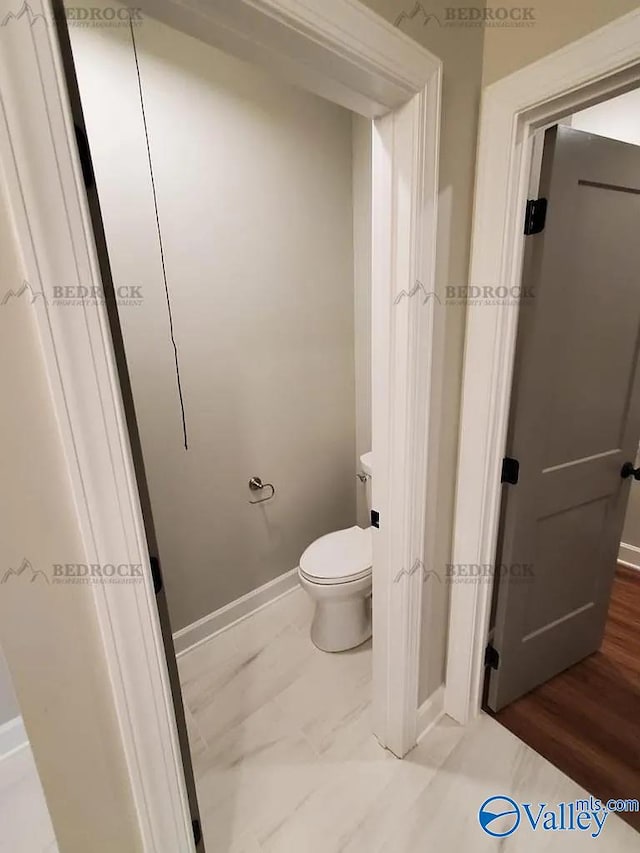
[199,632]
[629,556]
[430,712]
[13,737]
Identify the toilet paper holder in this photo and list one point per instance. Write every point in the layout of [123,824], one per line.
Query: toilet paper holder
[256,484]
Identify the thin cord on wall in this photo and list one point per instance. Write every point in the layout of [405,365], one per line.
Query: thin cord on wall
[164,271]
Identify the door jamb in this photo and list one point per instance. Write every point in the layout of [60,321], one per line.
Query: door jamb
[350,55]
[597,67]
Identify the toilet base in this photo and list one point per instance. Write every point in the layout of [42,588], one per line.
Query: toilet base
[341,625]
[342,616]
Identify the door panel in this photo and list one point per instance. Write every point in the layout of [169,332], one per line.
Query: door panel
[575,416]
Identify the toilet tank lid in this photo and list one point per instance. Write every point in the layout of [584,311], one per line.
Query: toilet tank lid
[339,555]
[366,460]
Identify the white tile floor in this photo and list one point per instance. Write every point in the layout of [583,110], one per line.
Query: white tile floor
[25,825]
[285,760]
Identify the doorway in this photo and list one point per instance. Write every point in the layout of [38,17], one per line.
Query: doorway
[237,218]
[399,89]
[584,73]
[562,673]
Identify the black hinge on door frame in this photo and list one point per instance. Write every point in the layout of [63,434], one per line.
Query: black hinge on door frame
[510,471]
[375,518]
[156,574]
[197,831]
[491,657]
[535,215]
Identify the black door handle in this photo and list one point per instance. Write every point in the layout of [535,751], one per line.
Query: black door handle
[628,470]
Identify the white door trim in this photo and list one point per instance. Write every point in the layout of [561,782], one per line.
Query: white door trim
[601,65]
[403,359]
[337,48]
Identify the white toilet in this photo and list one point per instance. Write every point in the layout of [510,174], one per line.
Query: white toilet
[336,571]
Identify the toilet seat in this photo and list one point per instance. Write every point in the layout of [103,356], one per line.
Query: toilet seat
[339,557]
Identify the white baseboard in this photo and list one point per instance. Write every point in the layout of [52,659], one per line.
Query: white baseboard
[13,737]
[430,712]
[629,556]
[193,635]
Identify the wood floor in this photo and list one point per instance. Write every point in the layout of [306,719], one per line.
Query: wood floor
[586,720]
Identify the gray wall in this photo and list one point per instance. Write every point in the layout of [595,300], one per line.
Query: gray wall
[254,186]
[362,184]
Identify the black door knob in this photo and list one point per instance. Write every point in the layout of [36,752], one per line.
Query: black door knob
[628,470]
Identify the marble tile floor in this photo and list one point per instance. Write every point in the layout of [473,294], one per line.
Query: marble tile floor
[286,763]
[285,760]
[25,825]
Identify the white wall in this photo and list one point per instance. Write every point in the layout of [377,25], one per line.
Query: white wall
[49,633]
[254,187]
[619,118]
[630,550]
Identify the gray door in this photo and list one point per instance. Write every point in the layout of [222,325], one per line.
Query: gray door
[575,413]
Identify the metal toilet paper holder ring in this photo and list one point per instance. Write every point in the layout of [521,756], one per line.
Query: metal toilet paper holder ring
[256,484]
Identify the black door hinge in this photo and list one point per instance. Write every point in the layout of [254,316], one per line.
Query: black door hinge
[510,470]
[85,157]
[156,574]
[197,831]
[535,215]
[375,518]
[491,657]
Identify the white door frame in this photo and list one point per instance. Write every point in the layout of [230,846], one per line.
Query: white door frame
[599,66]
[343,51]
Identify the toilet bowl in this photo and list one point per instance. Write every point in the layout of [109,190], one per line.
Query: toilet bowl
[336,572]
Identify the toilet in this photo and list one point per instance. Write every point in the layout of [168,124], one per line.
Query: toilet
[336,572]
